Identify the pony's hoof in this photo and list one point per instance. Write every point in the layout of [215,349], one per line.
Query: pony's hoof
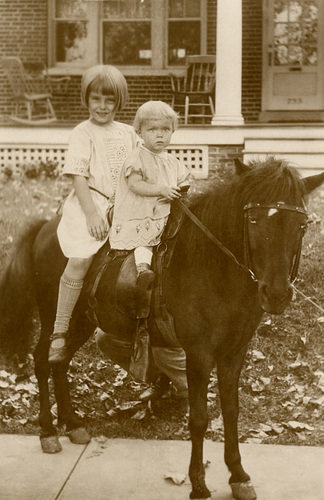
[201,494]
[243,491]
[50,444]
[79,436]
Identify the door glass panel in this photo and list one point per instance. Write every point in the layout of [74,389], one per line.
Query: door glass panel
[295,33]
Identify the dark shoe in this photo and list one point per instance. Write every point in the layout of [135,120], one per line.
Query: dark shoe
[58,351]
[156,390]
[145,279]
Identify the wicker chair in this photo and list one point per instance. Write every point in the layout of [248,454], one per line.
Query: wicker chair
[192,92]
[32,93]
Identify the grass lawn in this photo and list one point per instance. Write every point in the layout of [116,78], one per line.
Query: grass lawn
[282,384]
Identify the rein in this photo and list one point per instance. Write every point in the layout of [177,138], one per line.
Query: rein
[215,240]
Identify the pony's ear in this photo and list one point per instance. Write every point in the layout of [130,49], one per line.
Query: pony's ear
[240,167]
[313,181]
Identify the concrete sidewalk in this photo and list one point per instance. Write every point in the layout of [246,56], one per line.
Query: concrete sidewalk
[120,469]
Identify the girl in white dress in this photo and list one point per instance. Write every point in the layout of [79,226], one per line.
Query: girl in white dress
[97,150]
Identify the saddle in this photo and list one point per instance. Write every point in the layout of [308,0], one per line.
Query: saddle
[125,289]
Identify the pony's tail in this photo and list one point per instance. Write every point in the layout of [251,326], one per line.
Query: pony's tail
[17,299]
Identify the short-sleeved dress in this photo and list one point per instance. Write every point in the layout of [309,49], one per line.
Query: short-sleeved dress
[98,154]
[140,220]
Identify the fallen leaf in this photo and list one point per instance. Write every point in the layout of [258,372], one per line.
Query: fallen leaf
[177,477]
[128,405]
[257,355]
[299,426]
[139,415]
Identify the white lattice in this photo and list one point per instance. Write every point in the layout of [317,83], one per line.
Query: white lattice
[196,159]
[15,157]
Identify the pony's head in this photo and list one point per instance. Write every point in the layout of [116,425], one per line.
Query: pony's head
[272,197]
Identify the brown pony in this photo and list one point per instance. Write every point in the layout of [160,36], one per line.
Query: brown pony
[259,216]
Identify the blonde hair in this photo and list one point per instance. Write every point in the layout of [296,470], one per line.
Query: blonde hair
[107,80]
[152,110]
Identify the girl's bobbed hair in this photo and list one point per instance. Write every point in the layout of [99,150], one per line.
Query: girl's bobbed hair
[105,79]
[154,110]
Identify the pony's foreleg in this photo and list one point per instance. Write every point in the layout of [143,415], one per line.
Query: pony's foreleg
[198,371]
[228,372]
[49,440]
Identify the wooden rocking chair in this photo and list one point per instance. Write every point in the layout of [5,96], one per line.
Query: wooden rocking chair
[33,101]
[193,91]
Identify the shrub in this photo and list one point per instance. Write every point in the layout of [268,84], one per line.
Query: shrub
[31,170]
[8,172]
[50,168]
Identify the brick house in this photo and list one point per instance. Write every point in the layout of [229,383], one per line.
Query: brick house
[269,95]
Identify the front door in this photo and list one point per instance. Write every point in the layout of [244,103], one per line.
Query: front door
[293,55]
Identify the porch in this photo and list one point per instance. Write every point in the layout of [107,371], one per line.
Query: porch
[203,148]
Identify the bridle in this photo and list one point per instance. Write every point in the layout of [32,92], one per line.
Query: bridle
[246,267]
[277,207]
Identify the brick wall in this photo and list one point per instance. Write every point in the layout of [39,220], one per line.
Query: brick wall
[23,33]
[252,59]
[221,158]
[23,28]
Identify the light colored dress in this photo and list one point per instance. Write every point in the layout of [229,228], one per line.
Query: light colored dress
[140,220]
[98,154]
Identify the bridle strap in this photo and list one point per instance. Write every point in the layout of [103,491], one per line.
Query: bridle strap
[213,238]
[276,206]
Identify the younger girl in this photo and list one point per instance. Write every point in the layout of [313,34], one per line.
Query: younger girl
[97,150]
[149,180]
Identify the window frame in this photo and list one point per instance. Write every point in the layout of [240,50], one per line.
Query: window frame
[159,65]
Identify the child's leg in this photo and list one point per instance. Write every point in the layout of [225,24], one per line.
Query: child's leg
[71,283]
[143,258]
[145,278]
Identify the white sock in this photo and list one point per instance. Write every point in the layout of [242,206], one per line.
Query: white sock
[143,255]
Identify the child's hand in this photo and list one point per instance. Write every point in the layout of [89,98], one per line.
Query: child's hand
[170,193]
[97,227]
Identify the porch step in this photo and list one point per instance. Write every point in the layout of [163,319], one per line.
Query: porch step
[307,154]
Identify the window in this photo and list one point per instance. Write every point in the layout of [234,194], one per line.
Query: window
[127,28]
[295,33]
[128,33]
[73,33]
[184,30]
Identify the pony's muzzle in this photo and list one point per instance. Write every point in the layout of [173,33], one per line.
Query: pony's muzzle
[274,300]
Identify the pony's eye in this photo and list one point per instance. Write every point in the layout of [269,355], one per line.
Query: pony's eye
[252,220]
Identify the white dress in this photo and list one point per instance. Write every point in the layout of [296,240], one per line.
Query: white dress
[140,220]
[98,154]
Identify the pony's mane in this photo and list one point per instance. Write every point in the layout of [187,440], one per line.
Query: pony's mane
[221,207]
